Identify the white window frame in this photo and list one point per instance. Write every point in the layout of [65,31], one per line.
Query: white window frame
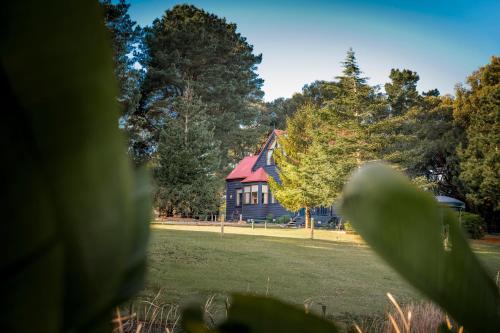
[254,199]
[246,195]
[269,154]
[265,194]
[238,198]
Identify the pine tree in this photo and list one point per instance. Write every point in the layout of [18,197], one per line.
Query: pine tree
[186,162]
[124,35]
[126,43]
[402,91]
[351,70]
[190,47]
[351,95]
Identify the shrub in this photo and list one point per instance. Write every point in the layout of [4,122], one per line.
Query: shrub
[269,218]
[283,219]
[474,225]
[348,227]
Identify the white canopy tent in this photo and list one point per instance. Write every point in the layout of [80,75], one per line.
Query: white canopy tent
[450,202]
[453,204]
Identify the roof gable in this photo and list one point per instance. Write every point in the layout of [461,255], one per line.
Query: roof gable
[245,167]
[274,134]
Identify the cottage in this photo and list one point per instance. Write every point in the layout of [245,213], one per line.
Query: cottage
[247,190]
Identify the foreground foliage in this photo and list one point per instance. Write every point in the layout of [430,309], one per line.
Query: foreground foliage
[75,215]
[424,243]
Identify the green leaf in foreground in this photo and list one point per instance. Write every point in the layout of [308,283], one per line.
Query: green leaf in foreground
[405,227]
[259,314]
[75,217]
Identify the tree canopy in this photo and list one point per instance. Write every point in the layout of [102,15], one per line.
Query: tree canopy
[190,47]
[478,111]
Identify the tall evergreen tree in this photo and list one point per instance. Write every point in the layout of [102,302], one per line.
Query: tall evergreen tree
[402,91]
[127,46]
[340,139]
[190,47]
[186,161]
[352,95]
[125,36]
[478,110]
[351,71]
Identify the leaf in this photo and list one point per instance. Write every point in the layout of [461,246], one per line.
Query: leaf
[260,314]
[192,320]
[76,225]
[405,227]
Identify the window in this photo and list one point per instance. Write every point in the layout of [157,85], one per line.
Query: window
[255,194]
[269,160]
[265,195]
[239,196]
[269,156]
[246,197]
[273,199]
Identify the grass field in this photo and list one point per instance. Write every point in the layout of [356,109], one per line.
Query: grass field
[337,270]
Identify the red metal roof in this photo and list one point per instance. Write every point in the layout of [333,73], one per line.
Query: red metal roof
[260,175]
[244,168]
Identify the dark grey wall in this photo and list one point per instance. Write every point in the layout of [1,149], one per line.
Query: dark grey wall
[231,210]
[259,211]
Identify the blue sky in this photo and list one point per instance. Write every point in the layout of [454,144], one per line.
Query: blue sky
[303,41]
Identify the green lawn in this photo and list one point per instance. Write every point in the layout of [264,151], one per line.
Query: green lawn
[347,277]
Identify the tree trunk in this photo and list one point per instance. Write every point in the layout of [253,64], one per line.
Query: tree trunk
[308,217]
[186,130]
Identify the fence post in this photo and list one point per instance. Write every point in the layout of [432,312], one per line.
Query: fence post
[221,228]
[252,223]
[265,224]
[312,228]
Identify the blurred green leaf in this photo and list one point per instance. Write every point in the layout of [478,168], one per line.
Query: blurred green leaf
[259,314]
[262,314]
[192,320]
[405,226]
[76,216]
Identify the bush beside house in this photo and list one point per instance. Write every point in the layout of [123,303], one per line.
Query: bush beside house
[474,225]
